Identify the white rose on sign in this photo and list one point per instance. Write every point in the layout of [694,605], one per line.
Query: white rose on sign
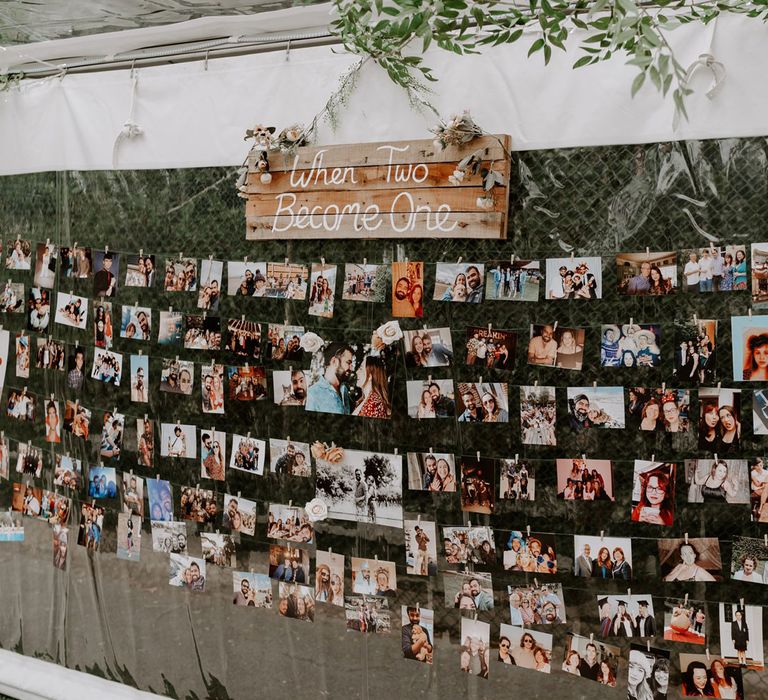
[311,342]
[390,332]
[316,510]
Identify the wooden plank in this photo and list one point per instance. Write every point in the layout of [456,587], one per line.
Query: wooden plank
[382,153]
[369,178]
[459,199]
[395,225]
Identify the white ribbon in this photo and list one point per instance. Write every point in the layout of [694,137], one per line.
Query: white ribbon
[707,60]
[130,129]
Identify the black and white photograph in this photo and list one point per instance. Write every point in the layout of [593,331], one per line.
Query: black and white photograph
[431,399]
[362,486]
[708,675]
[459,282]
[428,347]
[574,278]
[71,310]
[420,547]
[648,673]
[248,454]
[513,280]
[431,471]
[690,559]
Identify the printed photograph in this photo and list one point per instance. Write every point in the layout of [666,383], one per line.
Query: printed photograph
[716,269]
[483,403]
[23,360]
[218,549]
[246,279]
[26,499]
[418,633]
[102,482]
[556,346]
[568,278]
[76,262]
[212,388]
[202,332]
[717,480]
[177,376]
[178,440]
[140,270]
[584,479]
[653,493]
[50,354]
[469,593]
[249,589]
[106,270]
[631,345]
[136,323]
[364,282]
[517,480]
[289,387]
[469,545]
[647,274]
[5,457]
[706,675]
[361,486]
[596,407]
[38,309]
[213,454]
[244,338]
[91,524]
[247,454]
[476,475]
[289,457]
[322,288]
[77,419]
[407,289]
[289,523]
[247,383]
[759,410]
[658,409]
[209,295]
[107,366]
[538,415]
[239,514]
[534,604]
[694,559]
[758,478]
[170,328]
[169,536]
[18,254]
[12,298]
[160,500]
[198,505]
[430,399]
[490,348]
[60,546]
[139,375]
[53,422]
[11,528]
[354,379]
[515,280]
[459,282]
[67,472]
[626,615]
[29,459]
[296,601]
[103,330]
[602,557]
[430,347]
[133,493]
[420,547]
[374,577]
[531,552]
[287,281]
[284,342]
[749,560]
[432,471]
[749,342]
[329,578]
[128,537]
[648,673]
[187,572]
[685,621]
[592,659]
[54,508]
[741,635]
[720,421]
[368,614]
[45,265]
[525,648]
[21,405]
[289,563]
[180,274]
[71,310]
[475,649]
[695,352]
[112,432]
[145,442]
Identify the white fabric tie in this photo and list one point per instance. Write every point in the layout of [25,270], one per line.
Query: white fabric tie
[130,129]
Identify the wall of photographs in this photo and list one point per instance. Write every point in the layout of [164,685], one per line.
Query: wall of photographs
[557,465]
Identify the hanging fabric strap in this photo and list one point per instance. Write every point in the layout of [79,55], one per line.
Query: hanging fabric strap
[130,129]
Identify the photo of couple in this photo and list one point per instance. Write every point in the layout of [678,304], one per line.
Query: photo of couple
[483,403]
[430,399]
[596,407]
[407,289]
[556,346]
[431,471]
[469,593]
[647,274]
[431,347]
[720,421]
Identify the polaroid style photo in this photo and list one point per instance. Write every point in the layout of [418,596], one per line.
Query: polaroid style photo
[140,270]
[177,376]
[368,614]
[536,604]
[431,471]
[592,659]
[525,648]
[517,480]
[430,347]
[289,457]
[106,271]
[513,280]
[170,328]
[459,282]
[431,399]
[647,274]
[18,254]
[136,323]
[218,549]
[596,407]
[364,282]
[420,547]
[23,357]
[145,442]
[187,572]
[213,454]
[287,280]
[212,388]
[198,505]
[571,278]
[534,552]
[202,332]
[248,454]
[45,265]
[296,601]
[720,421]
[475,647]
[322,289]
[178,440]
[582,479]
[71,310]
[289,387]
[247,383]
[12,298]
[690,559]
[169,536]
[107,366]
[139,378]
[251,590]
[103,329]
[128,537]
[407,289]
[653,493]
[329,578]
[490,348]
[160,501]
[209,295]
[180,274]
[602,557]
[246,279]
[239,514]
[289,523]
[718,480]
[482,403]
[67,472]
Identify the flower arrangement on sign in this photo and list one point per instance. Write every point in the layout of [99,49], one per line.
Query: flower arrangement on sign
[264,143]
[457,131]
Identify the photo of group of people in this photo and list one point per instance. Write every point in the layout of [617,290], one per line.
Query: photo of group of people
[289,523]
[602,557]
[538,415]
[571,279]
[584,479]
[364,282]
[721,268]
[626,616]
[525,648]
[296,601]
[531,552]
[246,383]
[631,345]
[469,545]
[490,348]
[513,280]
[685,621]
[696,352]
[476,475]
[592,659]
[517,480]
[368,614]
[536,604]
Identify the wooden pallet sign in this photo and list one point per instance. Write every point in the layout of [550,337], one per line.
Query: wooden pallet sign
[377,190]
